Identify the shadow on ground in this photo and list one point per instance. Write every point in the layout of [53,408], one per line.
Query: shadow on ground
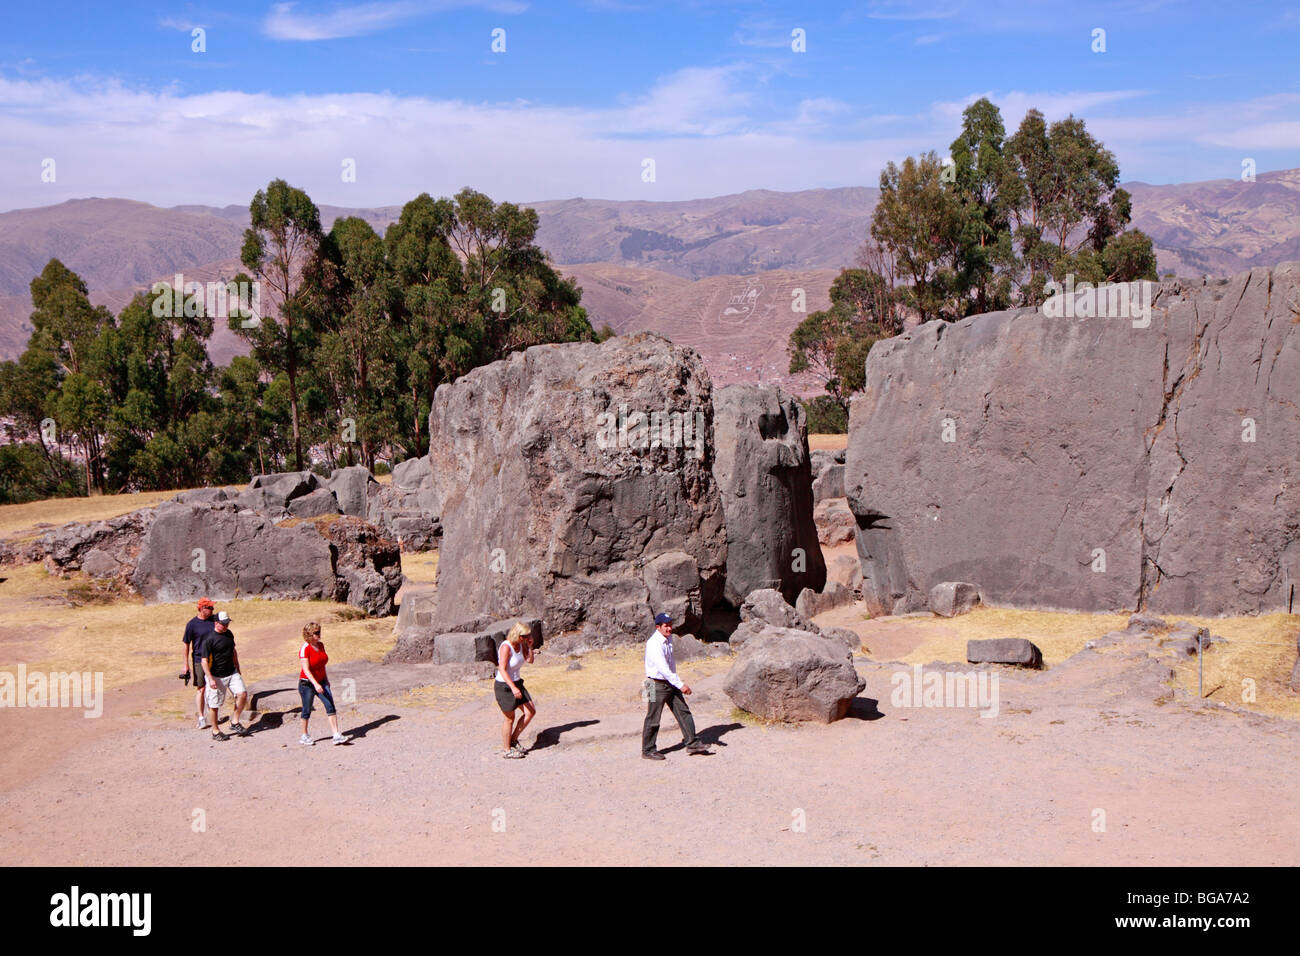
[551,735]
[864,708]
[709,736]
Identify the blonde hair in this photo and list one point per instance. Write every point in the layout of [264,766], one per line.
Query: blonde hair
[519,629]
[311,628]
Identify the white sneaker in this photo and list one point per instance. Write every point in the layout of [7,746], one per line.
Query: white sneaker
[340,739]
[306,741]
[203,723]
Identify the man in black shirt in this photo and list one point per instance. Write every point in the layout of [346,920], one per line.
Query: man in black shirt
[196,632]
[221,668]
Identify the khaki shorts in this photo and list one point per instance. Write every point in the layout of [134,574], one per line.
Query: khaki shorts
[233,684]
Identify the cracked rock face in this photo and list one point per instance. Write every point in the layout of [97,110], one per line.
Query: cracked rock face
[1090,464]
[765,475]
[589,523]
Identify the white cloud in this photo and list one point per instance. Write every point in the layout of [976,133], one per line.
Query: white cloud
[284,22]
[707,129]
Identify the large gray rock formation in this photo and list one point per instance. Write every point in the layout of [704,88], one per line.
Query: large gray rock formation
[577,486]
[191,550]
[1085,463]
[784,674]
[102,549]
[765,475]
[353,487]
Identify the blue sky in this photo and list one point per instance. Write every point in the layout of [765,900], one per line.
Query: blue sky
[412,93]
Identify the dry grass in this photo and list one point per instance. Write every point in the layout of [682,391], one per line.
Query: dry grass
[129,641]
[1057,634]
[1260,649]
[827,442]
[420,567]
[24,521]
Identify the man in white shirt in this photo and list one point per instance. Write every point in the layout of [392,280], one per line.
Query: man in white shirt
[663,686]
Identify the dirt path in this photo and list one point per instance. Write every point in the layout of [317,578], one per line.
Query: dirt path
[1177,783]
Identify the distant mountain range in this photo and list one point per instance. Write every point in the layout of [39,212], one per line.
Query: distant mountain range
[717,274]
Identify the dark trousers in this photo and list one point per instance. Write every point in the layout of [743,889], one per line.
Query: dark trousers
[662,692]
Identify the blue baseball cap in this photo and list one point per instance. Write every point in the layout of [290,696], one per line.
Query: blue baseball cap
[663,618]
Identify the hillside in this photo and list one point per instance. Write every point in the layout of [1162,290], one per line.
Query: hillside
[712,273]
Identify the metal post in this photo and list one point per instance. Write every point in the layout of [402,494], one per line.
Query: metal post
[1200,666]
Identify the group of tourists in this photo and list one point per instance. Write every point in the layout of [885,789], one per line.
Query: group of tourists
[213,662]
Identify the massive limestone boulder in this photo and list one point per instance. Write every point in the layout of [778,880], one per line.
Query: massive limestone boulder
[784,674]
[218,550]
[577,486]
[1088,463]
[765,475]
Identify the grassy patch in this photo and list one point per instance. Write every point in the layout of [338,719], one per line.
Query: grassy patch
[1057,634]
[1259,649]
[130,641]
[421,567]
[21,521]
[827,442]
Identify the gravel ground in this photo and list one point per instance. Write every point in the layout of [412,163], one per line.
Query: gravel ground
[1094,762]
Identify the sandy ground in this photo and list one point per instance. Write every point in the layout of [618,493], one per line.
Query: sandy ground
[1100,738]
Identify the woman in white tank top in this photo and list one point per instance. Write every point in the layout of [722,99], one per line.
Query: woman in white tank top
[512,697]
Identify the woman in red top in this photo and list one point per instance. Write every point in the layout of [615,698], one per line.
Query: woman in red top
[313,683]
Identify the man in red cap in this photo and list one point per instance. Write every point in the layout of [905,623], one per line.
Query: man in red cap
[196,633]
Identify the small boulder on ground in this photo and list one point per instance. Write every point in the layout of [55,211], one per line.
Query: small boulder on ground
[1004,650]
[1146,622]
[769,606]
[835,522]
[811,603]
[950,598]
[785,674]
[1188,639]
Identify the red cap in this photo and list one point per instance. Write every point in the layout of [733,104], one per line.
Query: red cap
[205,602]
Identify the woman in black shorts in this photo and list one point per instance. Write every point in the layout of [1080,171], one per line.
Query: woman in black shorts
[512,697]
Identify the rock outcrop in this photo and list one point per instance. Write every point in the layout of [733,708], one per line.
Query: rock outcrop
[191,550]
[577,486]
[102,549]
[765,475]
[1088,463]
[408,508]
